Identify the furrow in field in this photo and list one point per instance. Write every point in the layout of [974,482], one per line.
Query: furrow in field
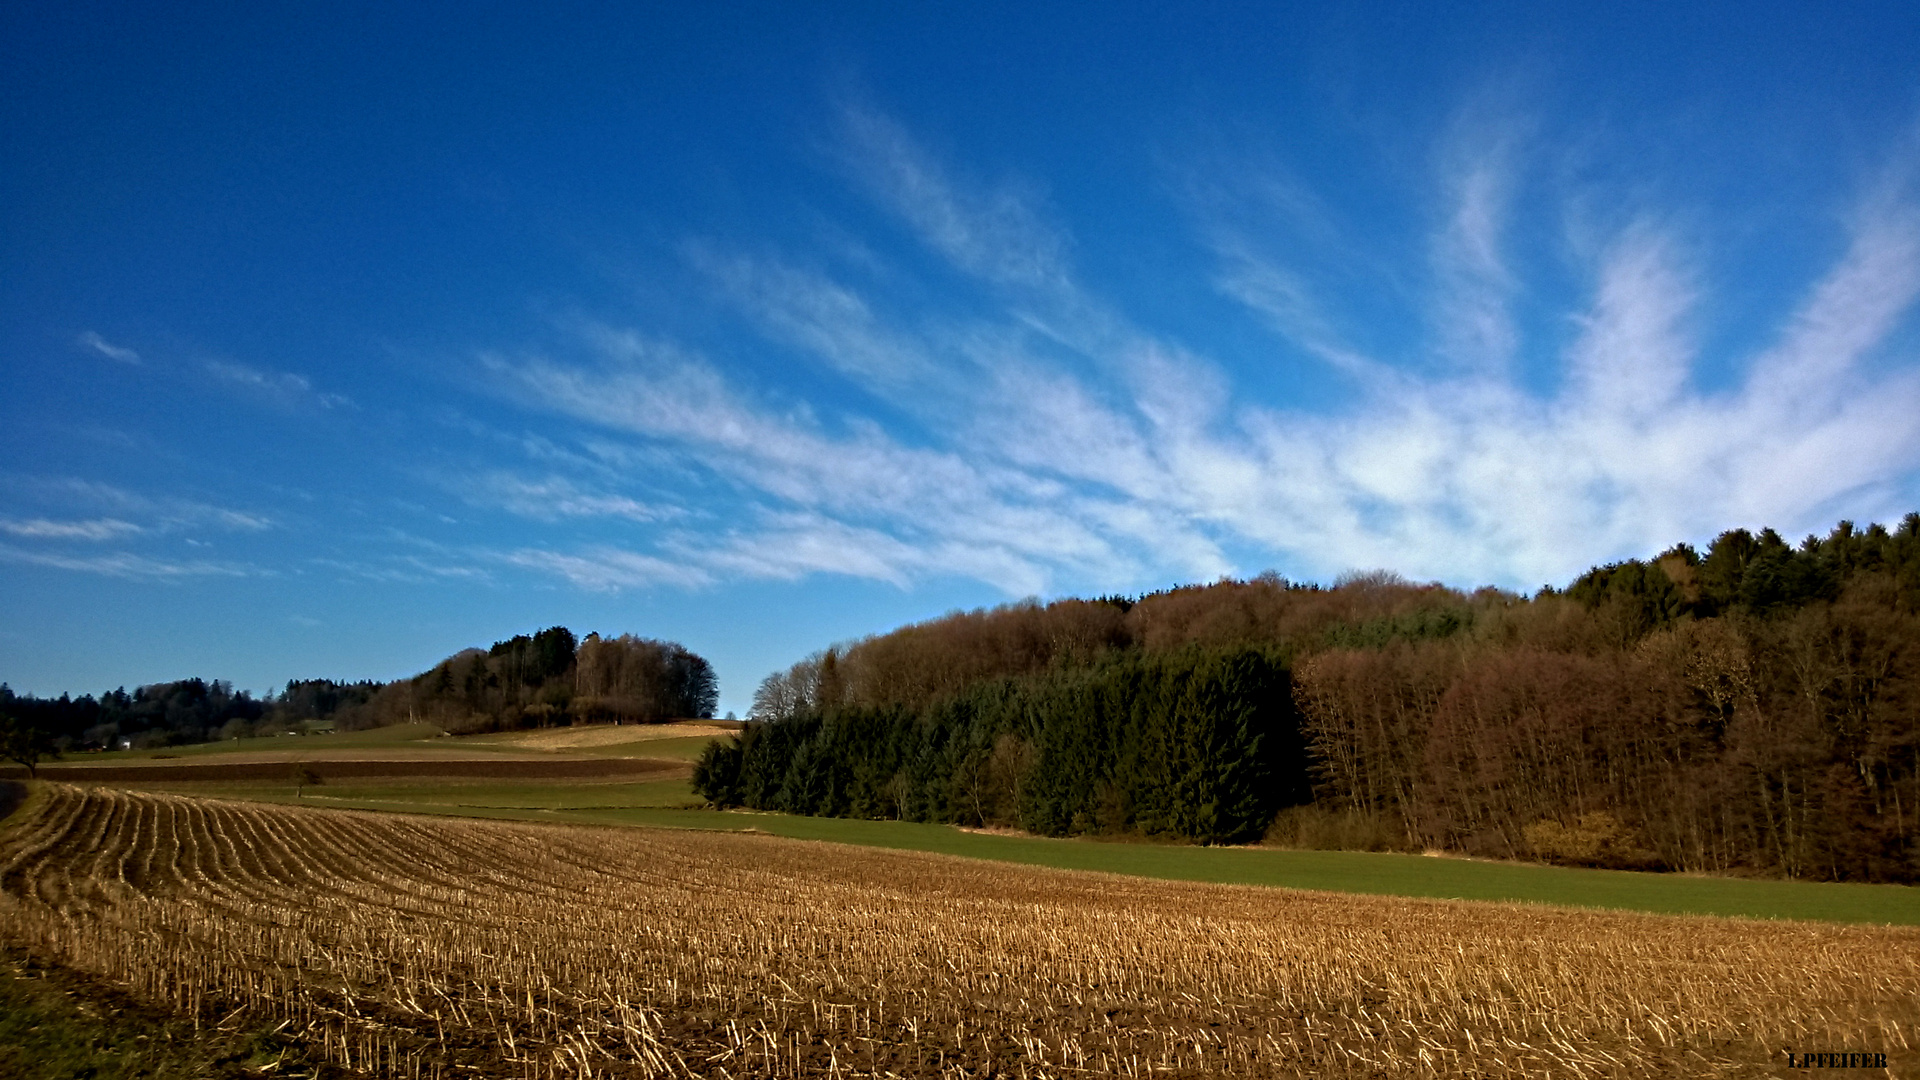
[135,869]
[34,845]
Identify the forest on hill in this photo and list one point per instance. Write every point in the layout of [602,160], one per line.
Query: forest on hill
[534,680]
[1754,708]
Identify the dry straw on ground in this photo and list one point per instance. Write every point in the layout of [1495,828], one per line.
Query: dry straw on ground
[426,947]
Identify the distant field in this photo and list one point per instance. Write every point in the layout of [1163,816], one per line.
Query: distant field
[414,794]
[601,736]
[398,734]
[419,768]
[409,946]
[338,768]
[678,740]
[685,748]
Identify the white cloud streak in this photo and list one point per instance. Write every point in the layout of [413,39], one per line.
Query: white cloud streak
[43,529]
[1473,285]
[993,233]
[282,387]
[120,353]
[606,569]
[831,322]
[126,565]
[161,514]
[554,498]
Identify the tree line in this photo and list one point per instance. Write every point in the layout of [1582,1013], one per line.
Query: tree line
[551,678]
[163,714]
[1198,744]
[535,680]
[1754,708]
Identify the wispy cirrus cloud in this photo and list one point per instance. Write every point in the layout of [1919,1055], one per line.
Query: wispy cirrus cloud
[281,387]
[1473,476]
[831,322]
[121,564]
[1473,285]
[843,498]
[120,353]
[991,232]
[608,569]
[554,498]
[153,513]
[1075,448]
[44,529]
[440,567]
[71,538]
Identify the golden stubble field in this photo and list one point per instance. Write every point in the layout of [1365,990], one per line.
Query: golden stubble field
[413,947]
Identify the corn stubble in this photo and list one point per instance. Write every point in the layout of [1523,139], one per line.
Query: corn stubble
[413,947]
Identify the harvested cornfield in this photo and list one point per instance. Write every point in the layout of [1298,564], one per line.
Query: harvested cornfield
[428,947]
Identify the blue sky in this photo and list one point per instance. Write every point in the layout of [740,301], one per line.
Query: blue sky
[334,341]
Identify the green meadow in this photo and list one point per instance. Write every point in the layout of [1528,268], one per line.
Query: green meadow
[405,740]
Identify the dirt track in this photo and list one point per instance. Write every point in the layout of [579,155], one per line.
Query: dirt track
[496,768]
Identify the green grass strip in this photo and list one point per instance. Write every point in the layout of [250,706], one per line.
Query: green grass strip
[1331,871]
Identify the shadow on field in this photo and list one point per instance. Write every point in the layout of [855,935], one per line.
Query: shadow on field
[12,794]
[56,1022]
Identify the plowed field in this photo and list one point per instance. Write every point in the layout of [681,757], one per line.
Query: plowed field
[431,947]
